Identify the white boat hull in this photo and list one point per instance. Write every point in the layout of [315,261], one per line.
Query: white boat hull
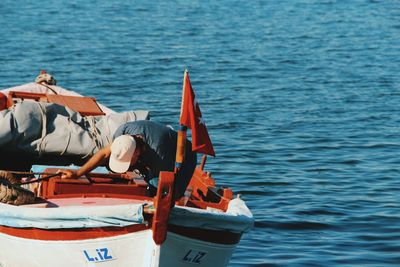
[134,249]
[180,251]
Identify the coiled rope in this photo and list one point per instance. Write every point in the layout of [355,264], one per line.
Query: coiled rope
[11,192]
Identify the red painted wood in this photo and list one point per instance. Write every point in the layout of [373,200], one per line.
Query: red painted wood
[71,234]
[213,236]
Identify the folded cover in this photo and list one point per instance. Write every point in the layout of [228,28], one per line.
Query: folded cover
[238,218]
[70,216]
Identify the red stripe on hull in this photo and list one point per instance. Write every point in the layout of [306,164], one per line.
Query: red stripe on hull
[71,234]
[213,236]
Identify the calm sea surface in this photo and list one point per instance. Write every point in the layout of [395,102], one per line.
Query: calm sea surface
[301,98]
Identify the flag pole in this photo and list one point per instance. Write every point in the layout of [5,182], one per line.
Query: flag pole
[181,142]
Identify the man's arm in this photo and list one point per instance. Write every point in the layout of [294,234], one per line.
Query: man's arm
[97,159]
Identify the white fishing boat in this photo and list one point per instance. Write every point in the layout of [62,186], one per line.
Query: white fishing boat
[105,219]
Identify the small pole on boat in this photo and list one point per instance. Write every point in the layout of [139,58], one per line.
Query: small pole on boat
[181,142]
[40,179]
[203,162]
[165,198]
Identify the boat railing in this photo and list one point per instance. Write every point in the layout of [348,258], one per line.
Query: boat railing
[94,185]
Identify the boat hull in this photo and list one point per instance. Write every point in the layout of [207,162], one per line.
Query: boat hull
[133,249]
[181,251]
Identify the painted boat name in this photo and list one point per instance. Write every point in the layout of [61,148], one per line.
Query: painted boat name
[194,256]
[98,255]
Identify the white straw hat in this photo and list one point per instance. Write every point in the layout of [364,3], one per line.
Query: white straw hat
[122,150]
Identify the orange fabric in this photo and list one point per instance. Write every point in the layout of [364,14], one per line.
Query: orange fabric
[191,117]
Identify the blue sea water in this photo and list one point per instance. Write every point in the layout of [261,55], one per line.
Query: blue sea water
[301,99]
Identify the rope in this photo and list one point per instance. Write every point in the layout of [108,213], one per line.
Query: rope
[69,138]
[94,132]
[11,192]
[40,145]
[48,87]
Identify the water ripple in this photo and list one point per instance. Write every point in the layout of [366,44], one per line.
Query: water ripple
[301,100]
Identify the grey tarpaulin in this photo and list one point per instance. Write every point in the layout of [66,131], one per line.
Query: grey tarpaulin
[41,130]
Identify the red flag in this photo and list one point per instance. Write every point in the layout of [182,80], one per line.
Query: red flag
[191,118]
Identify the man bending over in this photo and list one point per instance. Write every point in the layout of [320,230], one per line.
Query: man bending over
[144,145]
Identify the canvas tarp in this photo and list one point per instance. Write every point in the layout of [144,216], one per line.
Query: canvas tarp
[71,216]
[41,129]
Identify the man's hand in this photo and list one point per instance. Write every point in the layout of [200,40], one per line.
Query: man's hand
[68,174]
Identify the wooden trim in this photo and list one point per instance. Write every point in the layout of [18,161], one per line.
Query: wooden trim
[162,205]
[71,234]
[213,236]
[86,106]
